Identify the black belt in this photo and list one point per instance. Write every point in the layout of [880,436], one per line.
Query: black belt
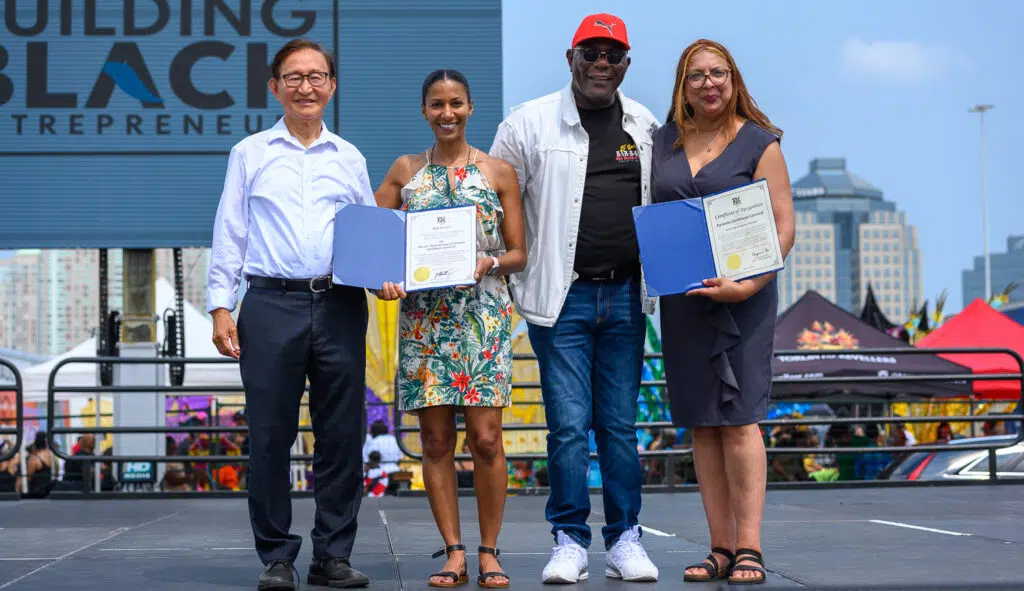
[628,270]
[313,285]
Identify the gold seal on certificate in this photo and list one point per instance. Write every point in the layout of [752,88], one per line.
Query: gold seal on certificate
[440,247]
[729,234]
[426,249]
[741,225]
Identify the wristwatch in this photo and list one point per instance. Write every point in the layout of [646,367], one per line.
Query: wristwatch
[494,266]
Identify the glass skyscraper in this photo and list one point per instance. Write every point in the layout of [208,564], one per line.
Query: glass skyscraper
[1007,268]
[847,236]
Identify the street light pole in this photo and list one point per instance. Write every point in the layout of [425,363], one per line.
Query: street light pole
[980,110]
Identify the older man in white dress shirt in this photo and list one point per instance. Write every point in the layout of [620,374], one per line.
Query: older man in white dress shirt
[274,229]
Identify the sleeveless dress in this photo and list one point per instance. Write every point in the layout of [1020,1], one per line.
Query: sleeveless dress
[41,481]
[455,345]
[8,481]
[718,357]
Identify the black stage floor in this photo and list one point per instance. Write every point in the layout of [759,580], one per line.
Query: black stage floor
[963,537]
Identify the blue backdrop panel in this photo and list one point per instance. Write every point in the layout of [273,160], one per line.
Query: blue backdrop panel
[115,125]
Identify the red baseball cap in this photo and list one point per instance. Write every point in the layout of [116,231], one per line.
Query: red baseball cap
[601,26]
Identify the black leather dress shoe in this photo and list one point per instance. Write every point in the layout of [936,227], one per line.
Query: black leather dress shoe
[335,572]
[277,576]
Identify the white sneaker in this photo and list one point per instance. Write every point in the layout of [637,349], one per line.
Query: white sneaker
[627,559]
[568,562]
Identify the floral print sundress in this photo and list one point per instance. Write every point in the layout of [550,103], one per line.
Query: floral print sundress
[455,345]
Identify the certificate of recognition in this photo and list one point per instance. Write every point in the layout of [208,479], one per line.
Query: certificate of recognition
[731,234]
[418,250]
[741,225]
[440,248]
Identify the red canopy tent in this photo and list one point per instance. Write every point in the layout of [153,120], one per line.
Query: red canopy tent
[981,326]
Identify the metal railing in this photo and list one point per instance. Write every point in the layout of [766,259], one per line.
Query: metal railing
[917,378]
[214,429]
[18,430]
[53,430]
[992,447]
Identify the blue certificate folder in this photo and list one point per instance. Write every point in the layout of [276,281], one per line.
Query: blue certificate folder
[370,246]
[675,244]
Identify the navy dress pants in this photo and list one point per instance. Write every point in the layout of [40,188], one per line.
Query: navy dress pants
[285,337]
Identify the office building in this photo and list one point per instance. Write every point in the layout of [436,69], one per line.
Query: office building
[847,236]
[1006,268]
[49,299]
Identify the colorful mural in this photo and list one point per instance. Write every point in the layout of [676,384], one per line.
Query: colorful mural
[211,410]
[381,359]
[7,410]
[651,405]
[87,415]
[8,414]
[34,415]
[925,432]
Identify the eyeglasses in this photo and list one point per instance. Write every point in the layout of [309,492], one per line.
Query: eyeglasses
[315,79]
[592,54]
[718,76]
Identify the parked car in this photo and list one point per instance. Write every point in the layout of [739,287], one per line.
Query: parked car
[960,464]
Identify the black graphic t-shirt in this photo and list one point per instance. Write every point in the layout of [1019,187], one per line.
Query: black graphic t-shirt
[607,238]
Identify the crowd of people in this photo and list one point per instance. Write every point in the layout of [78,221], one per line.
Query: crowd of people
[814,466]
[41,474]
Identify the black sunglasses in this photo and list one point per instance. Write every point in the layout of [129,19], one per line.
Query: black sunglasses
[592,54]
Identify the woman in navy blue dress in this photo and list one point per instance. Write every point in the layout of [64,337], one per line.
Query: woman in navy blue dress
[717,340]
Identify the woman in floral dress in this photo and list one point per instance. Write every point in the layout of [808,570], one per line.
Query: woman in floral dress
[455,344]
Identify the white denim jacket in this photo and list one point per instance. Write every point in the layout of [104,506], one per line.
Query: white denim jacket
[545,142]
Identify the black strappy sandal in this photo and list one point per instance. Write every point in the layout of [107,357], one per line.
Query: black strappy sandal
[754,556]
[456,578]
[711,567]
[484,580]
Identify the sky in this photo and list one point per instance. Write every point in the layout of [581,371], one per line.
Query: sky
[886,85]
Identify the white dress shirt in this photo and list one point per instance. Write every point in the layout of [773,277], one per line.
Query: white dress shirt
[390,453]
[545,142]
[276,214]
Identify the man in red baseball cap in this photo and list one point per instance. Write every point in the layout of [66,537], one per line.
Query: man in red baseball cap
[583,158]
[599,58]
[601,26]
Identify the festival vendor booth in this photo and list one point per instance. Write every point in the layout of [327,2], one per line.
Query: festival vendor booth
[981,326]
[832,343]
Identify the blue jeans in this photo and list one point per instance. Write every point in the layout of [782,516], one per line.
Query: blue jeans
[590,367]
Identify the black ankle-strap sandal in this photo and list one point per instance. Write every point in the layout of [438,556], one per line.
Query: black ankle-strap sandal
[456,579]
[484,580]
[713,570]
[754,556]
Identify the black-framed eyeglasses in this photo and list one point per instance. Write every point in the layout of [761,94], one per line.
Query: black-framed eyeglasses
[592,54]
[718,76]
[315,79]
